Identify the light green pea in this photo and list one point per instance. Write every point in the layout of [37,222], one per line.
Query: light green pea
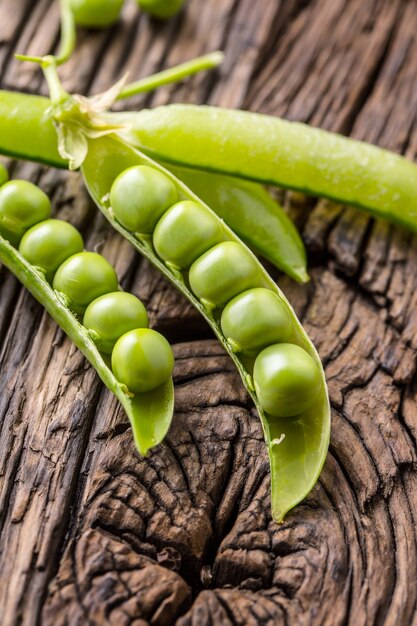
[22,204]
[96,13]
[48,244]
[162,9]
[111,316]
[4,176]
[287,380]
[184,232]
[142,360]
[222,272]
[254,319]
[139,196]
[84,277]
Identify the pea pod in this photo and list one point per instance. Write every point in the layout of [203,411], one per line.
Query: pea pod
[297,446]
[275,151]
[255,217]
[52,250]
[246,207]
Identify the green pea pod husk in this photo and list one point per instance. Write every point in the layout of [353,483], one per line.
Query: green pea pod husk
[150,413]
[275,151]
[297,447]
[253,215]
[246,207]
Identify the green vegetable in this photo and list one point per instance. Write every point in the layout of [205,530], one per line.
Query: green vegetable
[142,359]
[184,232]
[162,9]
[254,319]
[84,277]
[109,317]
[297,447]
[253,215]
[223,272]
[4,176]
[22,205]
[139,197]
[278,152]
[96,13]
[287,380]
[48,244]
[150,413]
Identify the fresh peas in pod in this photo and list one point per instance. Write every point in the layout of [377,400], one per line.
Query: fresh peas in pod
[287,379]
[139,196]
[48,244]
[142,360]
[109,317]
[184,232]
[84,277]
[22,204]
[222,272]
[96,13]
[254,319]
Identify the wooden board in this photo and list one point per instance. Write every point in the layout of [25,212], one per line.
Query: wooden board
[91,533]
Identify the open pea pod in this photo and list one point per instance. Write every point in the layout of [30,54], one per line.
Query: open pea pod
[253,215]
[150,413]
[275,151]
[297,447]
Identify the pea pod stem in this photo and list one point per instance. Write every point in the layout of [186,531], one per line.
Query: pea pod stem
[172,75]
[297,459]
[150,413]
[275,151]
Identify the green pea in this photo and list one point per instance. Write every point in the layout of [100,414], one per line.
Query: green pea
[22,204]
[254,319]
[96,13]
[142,360]
[184,232]
[287,380]
[4,176]
[223,272]
[162,9]
[84,277]
[111,316]
[48,244]
[139,196]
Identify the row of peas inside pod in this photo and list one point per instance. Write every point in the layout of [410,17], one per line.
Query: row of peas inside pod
[227,280]
[141,358]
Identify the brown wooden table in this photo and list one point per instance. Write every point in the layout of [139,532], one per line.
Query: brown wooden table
[93,534]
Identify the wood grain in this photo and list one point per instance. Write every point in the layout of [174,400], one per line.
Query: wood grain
[90,533]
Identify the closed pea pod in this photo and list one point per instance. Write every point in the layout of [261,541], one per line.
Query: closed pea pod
[222,272]
[84,277]
[254,319]
[48,244]
[142,360]
[22,205]
[109,317]
[139,196]
[184,232]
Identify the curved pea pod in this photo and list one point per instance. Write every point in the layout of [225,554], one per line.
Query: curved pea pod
[274,151]
[150,413]
[255,217]
[297,447]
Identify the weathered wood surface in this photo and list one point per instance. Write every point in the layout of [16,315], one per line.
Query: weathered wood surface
[93,534]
